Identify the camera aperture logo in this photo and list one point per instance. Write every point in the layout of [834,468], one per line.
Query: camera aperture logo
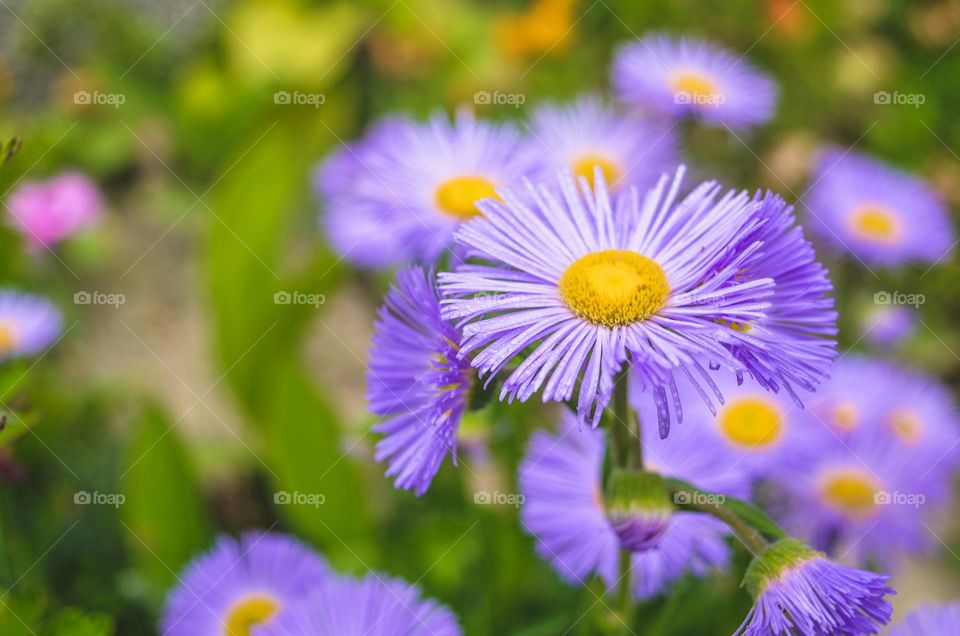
[898,298]
[687,498]
[98,298]
[297,498]
[896,98]
[885,498]
[687,98]
[296,98]
[298,298]
[497,498]
[96,498]
[96,98]
[496,98]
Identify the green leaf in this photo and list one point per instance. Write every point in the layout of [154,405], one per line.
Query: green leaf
[162,508]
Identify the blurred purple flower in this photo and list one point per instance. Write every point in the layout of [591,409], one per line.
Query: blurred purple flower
[886,326]
[687,77]
[929,620]
[28,324]
[240,584]
[877,213]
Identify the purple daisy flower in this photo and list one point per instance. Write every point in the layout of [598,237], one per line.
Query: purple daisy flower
[799,591]
[659,282]
[686,77]
[886,326]
[928,620]
[587,133]
[417,381]
[754,430]
[28,324]
[372,606]
[240,584]
[877,213]
[49,211]
[564,508]
[868,489]
[398,195]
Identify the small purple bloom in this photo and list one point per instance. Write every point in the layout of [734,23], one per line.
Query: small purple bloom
[372,606]
[629,150]
[799,591]
[687,77]
[398,195]
[889,325]
[675,286]
[240,584]
[877,213]
[49,211]
[929,620]
[417,381]
[564,508]
[889,444]
[28,324]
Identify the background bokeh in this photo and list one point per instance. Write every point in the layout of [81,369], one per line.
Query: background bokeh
[199,403]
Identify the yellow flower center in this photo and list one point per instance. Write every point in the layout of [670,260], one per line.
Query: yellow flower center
[751,422]
[614,287]
[457,196]
[585,165]
[8,337]
[696,84]
[850,491]
[906,425]
[844,416]
[249,612]
[875,223]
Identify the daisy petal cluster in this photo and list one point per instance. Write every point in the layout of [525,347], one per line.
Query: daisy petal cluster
[677,286]
[268,584]
[880,215]
[28,324]
[416,381]
[687,77]
[398,195]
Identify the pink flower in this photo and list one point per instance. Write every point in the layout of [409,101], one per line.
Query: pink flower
[46,212]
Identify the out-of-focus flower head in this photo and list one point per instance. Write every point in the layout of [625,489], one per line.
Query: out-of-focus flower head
[28,324]
[398,195]
[682,77]
[877,213]
[46,212]
[928,620]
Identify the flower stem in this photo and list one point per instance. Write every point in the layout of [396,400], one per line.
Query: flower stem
[625,452]
[743,531]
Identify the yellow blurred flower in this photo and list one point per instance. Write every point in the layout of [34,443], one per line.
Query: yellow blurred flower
[546,27]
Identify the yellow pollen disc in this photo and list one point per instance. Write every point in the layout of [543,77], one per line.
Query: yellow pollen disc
[849,491]
[614,287]
[875,223]
[906,425]
[249,612]
[458,195]
[585,166]
[693,83]
[751,422]
[844,416]
[8,337]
